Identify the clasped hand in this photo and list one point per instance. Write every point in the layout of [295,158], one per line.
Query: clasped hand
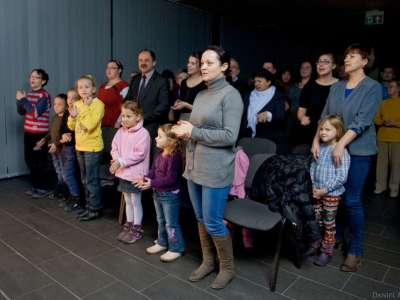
[389,123]
[183,129]
[178,105]
[114,165]
[143,183]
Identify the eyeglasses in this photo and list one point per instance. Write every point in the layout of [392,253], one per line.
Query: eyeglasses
[34,77]
[182,77]
[111,68]
[392,86]
[233,67]
[323,62]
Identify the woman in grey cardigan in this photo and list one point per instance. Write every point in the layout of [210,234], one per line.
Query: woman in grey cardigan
[212,131]
[356,100]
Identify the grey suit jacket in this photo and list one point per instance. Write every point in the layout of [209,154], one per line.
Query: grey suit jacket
[153,100]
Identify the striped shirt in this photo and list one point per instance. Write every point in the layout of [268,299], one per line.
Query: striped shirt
[358,112]
[36,108]
[324,174]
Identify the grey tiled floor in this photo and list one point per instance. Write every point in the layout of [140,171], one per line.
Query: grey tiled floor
[45,253]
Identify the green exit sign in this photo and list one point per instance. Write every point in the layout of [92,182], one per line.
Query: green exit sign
[374,17]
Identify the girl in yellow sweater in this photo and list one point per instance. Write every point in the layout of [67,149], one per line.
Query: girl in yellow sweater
[85,118]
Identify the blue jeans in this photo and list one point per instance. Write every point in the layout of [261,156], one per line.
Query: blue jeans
[58,166]
[89,163]
[70,164]
[209,206]
[352,203]
[167,206]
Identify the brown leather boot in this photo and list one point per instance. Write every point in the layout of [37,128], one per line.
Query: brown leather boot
[208,264]
[351,263]
[223,244]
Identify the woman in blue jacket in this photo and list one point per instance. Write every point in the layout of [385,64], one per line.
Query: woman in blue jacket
[356,100]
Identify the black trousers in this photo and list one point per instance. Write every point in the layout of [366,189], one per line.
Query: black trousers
[36,160]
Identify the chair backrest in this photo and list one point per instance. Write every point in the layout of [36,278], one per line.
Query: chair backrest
[302,149]
[108,136]
[255,162]
[253,146]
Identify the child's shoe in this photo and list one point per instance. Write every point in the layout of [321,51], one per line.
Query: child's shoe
[58,192]
[65,201]
[73,204]
[133,235]
[325,256]
[31,191]
[323,259]
[41,193]
[170,256]
[155,249]
[125,231]
[312,249]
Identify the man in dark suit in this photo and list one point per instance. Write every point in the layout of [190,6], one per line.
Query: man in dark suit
[237,83]
[151,90]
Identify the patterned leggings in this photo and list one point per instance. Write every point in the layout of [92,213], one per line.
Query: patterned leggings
[325,211]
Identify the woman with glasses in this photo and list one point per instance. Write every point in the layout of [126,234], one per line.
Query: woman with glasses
[112,94]
[388,140]
[190,87]
[313,97]
[356,100]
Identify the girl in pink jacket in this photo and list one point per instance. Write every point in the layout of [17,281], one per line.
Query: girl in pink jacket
[130,158]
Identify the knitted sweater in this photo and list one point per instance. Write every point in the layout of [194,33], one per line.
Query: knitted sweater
[36,108]
[210,155]
[112,97]
[358,112]
[389,110]
[87,126]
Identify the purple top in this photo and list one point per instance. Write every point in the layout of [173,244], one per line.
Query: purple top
[166,172]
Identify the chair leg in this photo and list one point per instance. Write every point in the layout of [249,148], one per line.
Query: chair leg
[121,209]
[277,255]
[297,241]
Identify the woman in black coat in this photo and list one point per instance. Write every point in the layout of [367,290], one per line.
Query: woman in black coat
[264,109]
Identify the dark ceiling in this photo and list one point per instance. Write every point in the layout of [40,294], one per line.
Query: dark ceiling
[321,23]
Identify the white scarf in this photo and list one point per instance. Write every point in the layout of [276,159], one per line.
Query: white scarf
[257,101]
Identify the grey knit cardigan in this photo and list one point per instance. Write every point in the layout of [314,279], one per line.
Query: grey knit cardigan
[358,111]
[216,116]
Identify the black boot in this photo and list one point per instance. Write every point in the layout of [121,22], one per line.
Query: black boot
[74,204]
[90,215]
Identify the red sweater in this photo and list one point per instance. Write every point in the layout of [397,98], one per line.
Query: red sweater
[112,100]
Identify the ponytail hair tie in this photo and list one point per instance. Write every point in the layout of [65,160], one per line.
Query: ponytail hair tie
[90,76]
